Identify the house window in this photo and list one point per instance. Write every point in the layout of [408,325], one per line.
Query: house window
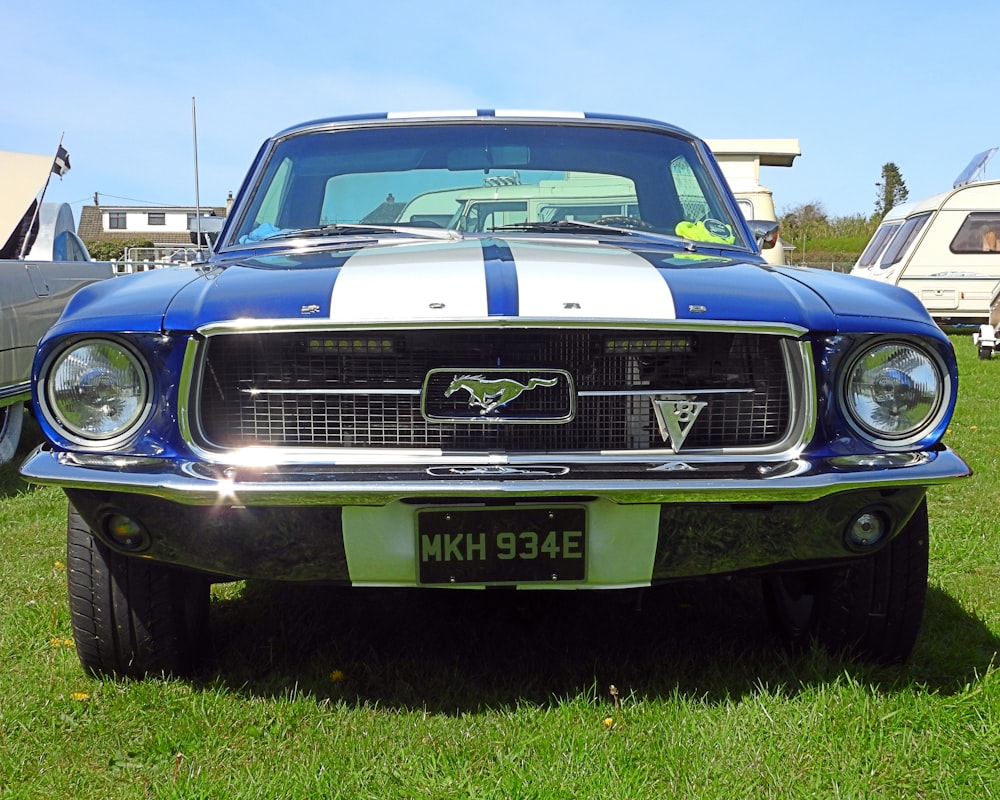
[116,220]
[156,218]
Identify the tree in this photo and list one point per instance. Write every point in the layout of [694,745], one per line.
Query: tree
[808,220]
[819,238]
[891,190]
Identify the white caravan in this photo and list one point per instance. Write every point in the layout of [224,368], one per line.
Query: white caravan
[945,249]
[740,161]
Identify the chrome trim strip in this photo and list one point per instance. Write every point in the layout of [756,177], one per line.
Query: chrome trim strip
[18,391]
[194,483]
[296,325]
[586,393]
[658,392]
[188,386]
[254,392]
[801,391]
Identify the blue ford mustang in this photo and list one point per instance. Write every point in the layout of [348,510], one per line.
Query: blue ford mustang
[537,350]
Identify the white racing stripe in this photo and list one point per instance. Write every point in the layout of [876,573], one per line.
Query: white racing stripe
[411,282]
[588,282]
[427,281]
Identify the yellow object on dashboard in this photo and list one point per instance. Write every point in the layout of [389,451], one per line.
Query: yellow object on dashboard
[710,230]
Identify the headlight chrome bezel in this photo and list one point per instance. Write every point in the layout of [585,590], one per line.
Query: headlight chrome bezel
[888,354]
[55,407]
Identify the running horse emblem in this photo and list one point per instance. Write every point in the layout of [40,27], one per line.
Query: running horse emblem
[488,395]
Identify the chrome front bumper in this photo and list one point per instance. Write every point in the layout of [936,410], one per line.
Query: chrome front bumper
[203,484]
[356,524]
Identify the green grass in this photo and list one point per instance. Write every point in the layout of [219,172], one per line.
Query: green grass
[823,250]
[312,692]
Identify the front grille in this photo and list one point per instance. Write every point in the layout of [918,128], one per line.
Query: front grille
[345,389]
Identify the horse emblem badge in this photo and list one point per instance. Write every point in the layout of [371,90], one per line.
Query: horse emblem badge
[488,395]
[499,396]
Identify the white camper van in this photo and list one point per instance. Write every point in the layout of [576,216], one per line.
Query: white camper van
[945,249]
[740,161]
[506,200]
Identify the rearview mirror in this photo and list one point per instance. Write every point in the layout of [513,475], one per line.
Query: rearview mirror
[510,156]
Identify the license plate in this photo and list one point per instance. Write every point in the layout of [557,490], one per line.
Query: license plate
[502,545]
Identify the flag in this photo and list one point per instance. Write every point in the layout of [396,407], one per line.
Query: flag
[61,164]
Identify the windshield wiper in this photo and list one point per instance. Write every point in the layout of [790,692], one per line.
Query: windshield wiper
[560,226]
[579,226]
[360,229]
[324,230]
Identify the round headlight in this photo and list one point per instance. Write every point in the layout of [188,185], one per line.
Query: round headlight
[97,390]
[895,392]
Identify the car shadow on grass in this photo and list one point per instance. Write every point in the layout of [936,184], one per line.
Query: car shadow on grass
[459,651]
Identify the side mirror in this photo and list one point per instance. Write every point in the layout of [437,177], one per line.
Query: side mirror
[765,232]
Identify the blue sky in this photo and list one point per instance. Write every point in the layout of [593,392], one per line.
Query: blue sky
[858,83]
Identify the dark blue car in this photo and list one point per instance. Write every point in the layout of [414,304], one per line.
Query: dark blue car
[492,349]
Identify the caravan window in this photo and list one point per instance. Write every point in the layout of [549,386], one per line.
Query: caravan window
[980,233]
[903,238]
[878,243]
[486,215]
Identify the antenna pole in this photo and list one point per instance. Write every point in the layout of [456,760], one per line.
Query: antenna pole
[197,195]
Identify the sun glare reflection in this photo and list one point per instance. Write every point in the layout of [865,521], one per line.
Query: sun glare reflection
[226,490]
[251,458]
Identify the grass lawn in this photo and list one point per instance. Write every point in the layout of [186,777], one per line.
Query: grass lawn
[313,692]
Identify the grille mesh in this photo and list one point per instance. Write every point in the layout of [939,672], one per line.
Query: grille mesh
[363,390]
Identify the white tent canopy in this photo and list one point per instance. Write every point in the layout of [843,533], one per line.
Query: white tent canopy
[23,178]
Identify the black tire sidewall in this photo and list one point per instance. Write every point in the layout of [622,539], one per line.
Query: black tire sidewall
[132,617]
[11,423]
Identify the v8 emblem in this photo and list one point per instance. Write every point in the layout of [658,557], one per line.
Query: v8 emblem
[675,416]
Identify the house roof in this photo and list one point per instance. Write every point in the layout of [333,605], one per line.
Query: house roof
[89,227]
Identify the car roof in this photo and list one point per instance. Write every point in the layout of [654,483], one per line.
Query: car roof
[464,115]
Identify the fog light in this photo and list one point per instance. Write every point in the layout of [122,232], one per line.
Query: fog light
[648,345]
[350,347]
[125,532]
[867,529]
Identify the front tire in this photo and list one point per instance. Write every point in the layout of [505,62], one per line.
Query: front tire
[131,617]
[870,609]
[11,422]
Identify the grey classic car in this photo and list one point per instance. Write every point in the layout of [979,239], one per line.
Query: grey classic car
[42,263]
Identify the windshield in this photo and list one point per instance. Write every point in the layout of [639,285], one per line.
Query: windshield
[480,177]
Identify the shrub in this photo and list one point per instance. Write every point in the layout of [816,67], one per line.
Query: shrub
[111,250]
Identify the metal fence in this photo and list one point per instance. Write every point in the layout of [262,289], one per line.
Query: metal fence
[832,266]
[143,259]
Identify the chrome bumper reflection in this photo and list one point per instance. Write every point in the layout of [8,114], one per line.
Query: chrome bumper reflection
[197,483]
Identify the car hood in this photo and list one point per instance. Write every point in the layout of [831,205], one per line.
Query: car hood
[528,278]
